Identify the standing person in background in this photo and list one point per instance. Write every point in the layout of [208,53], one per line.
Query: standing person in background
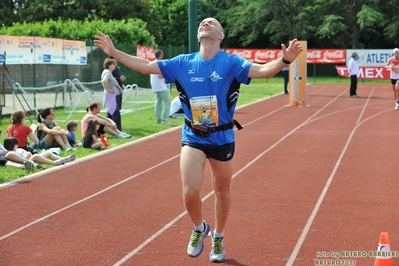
[353,71]
[208,82]
[120,78]
[111,90]
[286,75]
[393,65]
[158,85]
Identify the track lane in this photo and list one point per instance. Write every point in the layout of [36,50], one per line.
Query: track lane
[266,209]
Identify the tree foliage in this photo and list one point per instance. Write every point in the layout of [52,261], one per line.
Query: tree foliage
[122,31]
[126,9]
[7,15]
[36,11]
[174,14]
[247,23]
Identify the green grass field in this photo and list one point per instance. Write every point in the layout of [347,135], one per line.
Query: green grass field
[142,123]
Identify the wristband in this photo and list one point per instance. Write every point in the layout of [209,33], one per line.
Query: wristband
[285,61]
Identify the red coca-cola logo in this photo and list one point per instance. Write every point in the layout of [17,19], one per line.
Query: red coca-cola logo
[334,54]
[150,54]
[315,54]
[247,54]
[264,56]
[140,52]
[268,54]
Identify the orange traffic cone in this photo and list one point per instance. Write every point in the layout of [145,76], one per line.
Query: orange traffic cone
[383,254]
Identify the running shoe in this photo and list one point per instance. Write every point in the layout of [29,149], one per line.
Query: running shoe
[35,165]
[217,252]
[70,158]
[196,244]
[59,162]
[70,148]
[126,135]
[27,165]
[120,136]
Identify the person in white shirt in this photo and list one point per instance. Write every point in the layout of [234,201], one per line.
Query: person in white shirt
[353,71]
[162,94]
[175,108]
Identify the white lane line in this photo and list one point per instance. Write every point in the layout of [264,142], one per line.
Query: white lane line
[316,208]
[87,198]
[364,107]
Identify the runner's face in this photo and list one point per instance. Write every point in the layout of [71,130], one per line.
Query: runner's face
[209,28]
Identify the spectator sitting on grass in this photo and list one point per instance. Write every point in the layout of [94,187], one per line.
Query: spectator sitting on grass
[91,139]
[22,132]
[72,126]
[106,124]
[4,161]
[46,157]
[50,133]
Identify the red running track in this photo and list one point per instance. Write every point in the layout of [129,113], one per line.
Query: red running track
[308,182]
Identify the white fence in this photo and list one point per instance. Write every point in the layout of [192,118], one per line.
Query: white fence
[73,96]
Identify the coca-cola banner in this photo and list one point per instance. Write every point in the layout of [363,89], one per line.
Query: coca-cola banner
[324,56]
[257,55]
[145,52]
[370,72]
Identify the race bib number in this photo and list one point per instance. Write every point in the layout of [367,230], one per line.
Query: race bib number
[205,110]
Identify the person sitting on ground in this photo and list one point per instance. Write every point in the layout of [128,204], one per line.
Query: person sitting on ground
[46,157]
[22,132]
[5,154]
[72,126]
[91,139]
[50,133]
[106,124]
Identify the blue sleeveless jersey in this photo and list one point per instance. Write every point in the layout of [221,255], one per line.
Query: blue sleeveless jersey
[208,91]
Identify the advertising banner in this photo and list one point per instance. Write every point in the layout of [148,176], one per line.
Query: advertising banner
[145,52]
[366,72]
[17,50]
[371,63]
[370,57]
[313,56]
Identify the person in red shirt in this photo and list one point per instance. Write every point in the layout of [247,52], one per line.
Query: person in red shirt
[19,130]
